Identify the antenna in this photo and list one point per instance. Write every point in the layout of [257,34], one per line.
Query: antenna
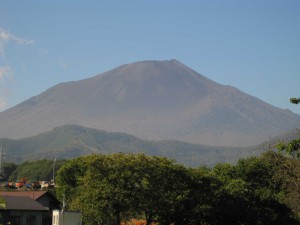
[1,161]
[54,171]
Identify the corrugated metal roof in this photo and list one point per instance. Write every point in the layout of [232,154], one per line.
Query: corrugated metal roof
[22,203]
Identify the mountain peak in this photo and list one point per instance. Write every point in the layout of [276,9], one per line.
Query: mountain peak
[152,100]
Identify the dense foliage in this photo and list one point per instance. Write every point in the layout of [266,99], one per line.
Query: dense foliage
[295,100]
[32,170]
[291,148]
[111,188]
[8,169]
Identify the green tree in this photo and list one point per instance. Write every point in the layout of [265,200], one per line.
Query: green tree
[291,148]
[36,170]
[111,188]
[9,168]
[250,194]
[295,100]
[165,192]
[285,179]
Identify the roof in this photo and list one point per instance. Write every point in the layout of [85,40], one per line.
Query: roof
[22,203]
[31,194]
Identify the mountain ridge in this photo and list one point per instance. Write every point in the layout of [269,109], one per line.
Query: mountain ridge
[71,141]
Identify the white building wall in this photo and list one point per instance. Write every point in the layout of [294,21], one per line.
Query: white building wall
[66,218]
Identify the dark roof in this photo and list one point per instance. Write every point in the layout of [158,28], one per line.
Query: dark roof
[31,194]
[22,203]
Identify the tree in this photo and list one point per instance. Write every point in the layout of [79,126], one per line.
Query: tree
[110,188]
[36,170]
[9,168]
[119,186]
[251,194]
[291,148]
[295,100]
[285,179]
[71,188]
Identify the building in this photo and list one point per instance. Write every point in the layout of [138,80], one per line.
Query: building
[18,210]
[45,198]
[27,207]
[61,217]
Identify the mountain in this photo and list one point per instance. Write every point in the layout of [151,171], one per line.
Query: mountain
[70,141]
[153,100]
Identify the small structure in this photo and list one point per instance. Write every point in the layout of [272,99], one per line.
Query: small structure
[61,217]
[27,207]
[45,198]
[22,210]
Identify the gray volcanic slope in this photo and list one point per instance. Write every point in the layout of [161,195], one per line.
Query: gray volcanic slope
[153,100]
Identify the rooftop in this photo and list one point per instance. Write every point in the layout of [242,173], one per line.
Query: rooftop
[21,203]
[30,194]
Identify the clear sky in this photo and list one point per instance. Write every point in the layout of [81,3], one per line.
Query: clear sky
[252,45]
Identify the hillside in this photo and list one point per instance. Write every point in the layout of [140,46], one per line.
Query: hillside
[152,100]
[71,141]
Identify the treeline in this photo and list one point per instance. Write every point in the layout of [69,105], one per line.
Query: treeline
[39,170]
[109,189]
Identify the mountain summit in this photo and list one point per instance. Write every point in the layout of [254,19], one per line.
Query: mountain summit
[153,100]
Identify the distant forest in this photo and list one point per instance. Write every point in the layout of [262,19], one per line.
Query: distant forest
[38,170]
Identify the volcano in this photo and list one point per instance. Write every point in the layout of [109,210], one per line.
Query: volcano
[153,100]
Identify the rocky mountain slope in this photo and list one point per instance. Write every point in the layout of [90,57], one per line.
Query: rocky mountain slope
[153,100]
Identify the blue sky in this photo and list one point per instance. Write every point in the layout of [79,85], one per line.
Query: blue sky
[252,45]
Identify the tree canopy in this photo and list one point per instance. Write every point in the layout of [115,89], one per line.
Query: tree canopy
[33,170]
[112,188]
[291,148]
[295,100]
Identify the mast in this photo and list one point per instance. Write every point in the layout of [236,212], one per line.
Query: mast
[1,161]
[54,171]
